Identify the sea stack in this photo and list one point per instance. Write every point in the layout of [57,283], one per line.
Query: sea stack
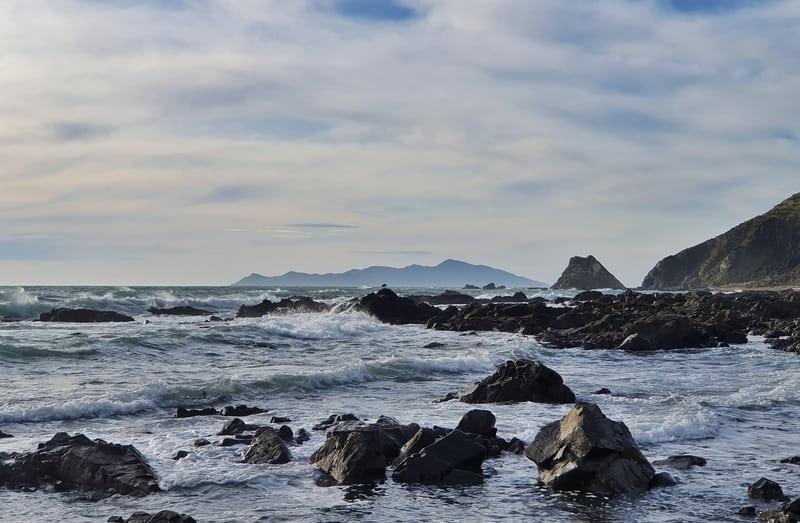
[586,273]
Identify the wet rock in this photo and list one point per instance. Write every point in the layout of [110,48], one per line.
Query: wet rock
[391,308]
[662,479]
[333,419]
[516,446]
[448,397]
[454,459]
[78,463]
[766,490]
[181,310]
[4,435]
[421,439]
[83,316]
[201,442]
[241,410]
[681,462]
[586,273]
[180,455]
[602,391]
[279,419]
[433,345]
[588,452]
[521,380]
[285,433]
[478,421]
[267,446]
[164,516]
[301,436]
[183,412]
[748,512]
[352,457]
[294,304]
[236,426]
[794,460]
[232,442]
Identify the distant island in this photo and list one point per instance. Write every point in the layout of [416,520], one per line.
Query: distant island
[449,273]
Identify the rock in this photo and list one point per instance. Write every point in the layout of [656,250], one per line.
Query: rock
[588,296]
[517,297]
[602,391]
[332,420]
[588,452]
[279,419]
[232,442]
[4,435]
[83,316]
[182,310]
[448,397]
[662,479]
[241,410]
[301,436]
[748,512]
[352,457]
[586,273]
[285,433]
[766,490]
[236,426]
[478,421]
[391,308]
[681,462]
[78,463]
[471,287]
[451,460]
[421,439]
[180,455]
[201,442]
[516,446]
[521,380]
[294,304]
[433,345]
[183,412]
[164,516]
[490,287]
[794,460]
[267,446]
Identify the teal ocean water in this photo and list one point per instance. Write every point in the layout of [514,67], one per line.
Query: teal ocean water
[738,407]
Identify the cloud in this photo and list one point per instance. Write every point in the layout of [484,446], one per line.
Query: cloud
[322,225]
[374,10]
[228,194]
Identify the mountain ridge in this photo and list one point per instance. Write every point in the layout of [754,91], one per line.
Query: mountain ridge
[449,273]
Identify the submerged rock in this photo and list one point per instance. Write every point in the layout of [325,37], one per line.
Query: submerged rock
[78,463]
[681,462]
[521,380]
[588,452]
[83,316]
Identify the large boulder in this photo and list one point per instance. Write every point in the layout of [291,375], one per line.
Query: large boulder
[267,446]
[78,463]
[391,308]
[586,273]
[588,452]
[352,457]
[520,380]
[83,316]
[451,460]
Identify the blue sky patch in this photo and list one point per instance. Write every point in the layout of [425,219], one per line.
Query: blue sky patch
[374,10]
[710,6]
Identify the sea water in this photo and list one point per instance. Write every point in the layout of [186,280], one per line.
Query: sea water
[122,382]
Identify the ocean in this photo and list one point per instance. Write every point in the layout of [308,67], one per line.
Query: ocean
[122,382]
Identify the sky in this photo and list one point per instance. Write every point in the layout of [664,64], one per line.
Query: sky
[192,142]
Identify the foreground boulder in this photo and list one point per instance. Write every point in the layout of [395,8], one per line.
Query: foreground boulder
[587,273]
[521,380]
[588,452]
[454,459]
[267,446]
[78,463]
[391,308]
[83,316]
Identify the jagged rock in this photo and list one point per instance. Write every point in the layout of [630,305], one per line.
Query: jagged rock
[682,462]
[164,516]
[78,463]
[761,252]
[391,308]
[83,316]
[285,433]
[332,420]
[294,304]
[181,310]
[586,273]
[301,436]
[767,490]
[588,452]
[420,440]
[241,410]
[451,460]
[267,446]
[236,426]
[183,412]
[478,421]
[352,457]
[521,380]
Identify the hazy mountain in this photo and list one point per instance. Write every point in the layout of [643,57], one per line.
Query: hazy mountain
[449,273]
[763,251]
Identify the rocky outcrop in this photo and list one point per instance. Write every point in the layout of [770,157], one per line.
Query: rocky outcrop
[521,380]
[586,273]
[766,490]
[78,463]
[267,446]
[763,251]
[181,310]
[454,459]
[163,516]
[391,308]
[83,316]
[294,304]
[588,452]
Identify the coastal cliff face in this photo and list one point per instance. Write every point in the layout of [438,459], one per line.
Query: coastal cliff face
[586,273]
[763,251]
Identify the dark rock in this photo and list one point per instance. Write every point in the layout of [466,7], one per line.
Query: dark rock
[241,410]
[164,516]
[588,296]
[279,419]
[433,345]
[681,462]
[285,433]
[352,457]
[748,512]
[478,421]
[301,436]
[332,420]
[517,297]
[451,460]
[471,287]
[766,490]
[448,397]
[662,479]
[521,380]
[4,435]
[516,446]
[391,308]
[78,463]
[586,451]
[445,298]
[420,440]
[490,287]
[180,455]
[201,442]
[183,412]
[83,316]
[794,460]
[602,391]
[586,273]
[232,442]
[294,304]
[267,446]
[236,426]
[182,310]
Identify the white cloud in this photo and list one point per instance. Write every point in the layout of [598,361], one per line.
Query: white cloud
[510,133]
